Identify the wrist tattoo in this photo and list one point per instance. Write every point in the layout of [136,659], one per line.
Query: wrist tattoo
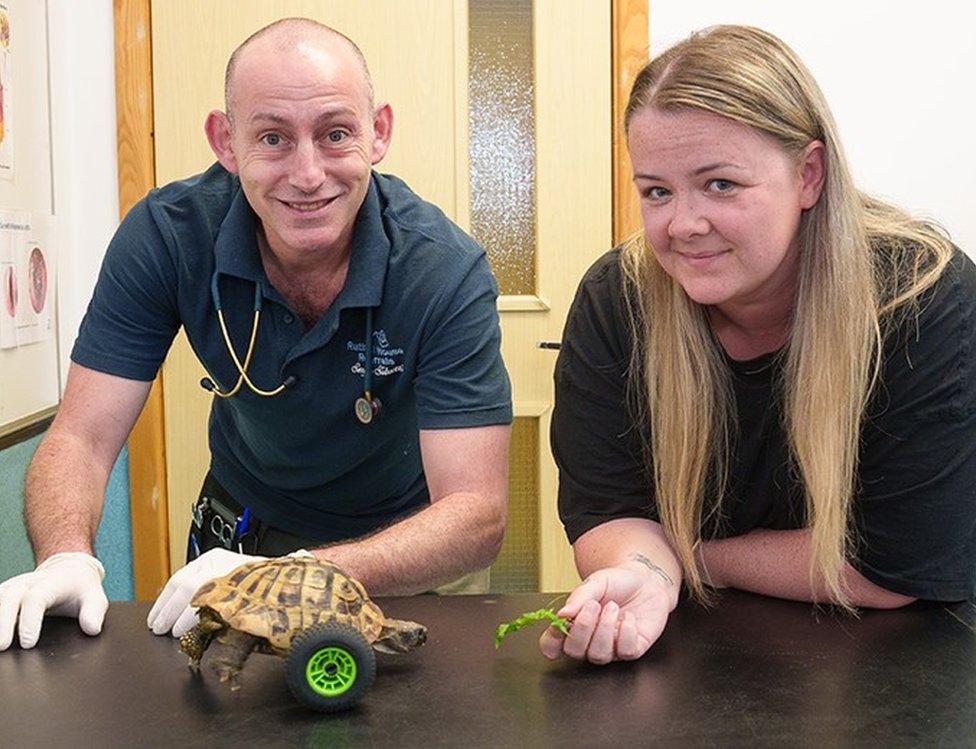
[640,558]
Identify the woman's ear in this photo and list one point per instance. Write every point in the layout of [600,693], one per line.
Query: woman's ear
[813,172]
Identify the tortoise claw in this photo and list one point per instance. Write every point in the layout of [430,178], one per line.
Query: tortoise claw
[228,674]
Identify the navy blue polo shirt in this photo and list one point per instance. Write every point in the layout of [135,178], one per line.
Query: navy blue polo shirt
[301,460]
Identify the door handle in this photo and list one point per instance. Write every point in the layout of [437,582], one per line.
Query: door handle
[549,344]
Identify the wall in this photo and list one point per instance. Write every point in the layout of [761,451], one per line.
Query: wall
[113,544]
[899,77]
[85,197]
[86,188]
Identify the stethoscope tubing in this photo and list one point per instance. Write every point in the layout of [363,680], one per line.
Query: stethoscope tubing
[241,367]
[365,407]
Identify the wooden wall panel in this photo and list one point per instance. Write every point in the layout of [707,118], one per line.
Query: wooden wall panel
[630,43]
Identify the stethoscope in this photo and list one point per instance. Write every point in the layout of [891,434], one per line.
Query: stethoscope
[366,407]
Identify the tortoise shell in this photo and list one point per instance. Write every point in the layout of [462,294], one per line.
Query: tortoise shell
[278,598]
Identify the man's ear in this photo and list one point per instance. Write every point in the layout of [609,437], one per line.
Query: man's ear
[217,128]
[382,132]
[813,172]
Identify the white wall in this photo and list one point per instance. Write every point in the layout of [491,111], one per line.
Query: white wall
[900,77]
[83,142]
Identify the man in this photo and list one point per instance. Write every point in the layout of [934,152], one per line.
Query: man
[349,329]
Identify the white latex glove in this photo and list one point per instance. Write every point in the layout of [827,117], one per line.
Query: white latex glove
[65,584]
[172,610]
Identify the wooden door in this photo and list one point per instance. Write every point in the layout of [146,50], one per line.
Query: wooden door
[419,56]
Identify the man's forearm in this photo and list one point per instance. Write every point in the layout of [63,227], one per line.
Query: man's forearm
[63,496]
[457,534]
[777,563]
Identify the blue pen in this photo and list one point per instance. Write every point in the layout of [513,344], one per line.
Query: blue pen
[243,522]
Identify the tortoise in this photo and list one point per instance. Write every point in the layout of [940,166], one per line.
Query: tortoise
[308,611]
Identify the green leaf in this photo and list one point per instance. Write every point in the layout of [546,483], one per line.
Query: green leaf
[530,617]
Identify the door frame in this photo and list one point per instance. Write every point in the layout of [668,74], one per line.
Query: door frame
[136,165]
[137,175]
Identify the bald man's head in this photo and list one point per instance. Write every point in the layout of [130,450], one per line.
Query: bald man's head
[285,34]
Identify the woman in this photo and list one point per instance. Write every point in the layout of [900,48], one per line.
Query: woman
[773,388]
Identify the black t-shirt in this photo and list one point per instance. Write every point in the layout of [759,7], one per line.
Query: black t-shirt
[914,510]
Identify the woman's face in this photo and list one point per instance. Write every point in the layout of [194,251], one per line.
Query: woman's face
[721,205]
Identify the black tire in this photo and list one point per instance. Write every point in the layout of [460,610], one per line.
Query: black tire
[330,667]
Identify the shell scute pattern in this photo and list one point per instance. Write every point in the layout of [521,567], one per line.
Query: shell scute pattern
[278,600]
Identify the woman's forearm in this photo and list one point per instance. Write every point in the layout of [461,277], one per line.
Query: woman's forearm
[777,563]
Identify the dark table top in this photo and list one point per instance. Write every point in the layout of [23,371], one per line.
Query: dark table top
[749,671]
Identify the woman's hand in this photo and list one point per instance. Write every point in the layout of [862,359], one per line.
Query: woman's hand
[617,614]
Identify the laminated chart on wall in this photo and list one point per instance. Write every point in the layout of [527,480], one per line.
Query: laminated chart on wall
[6,144]
[14,226]
[30,363]
[35,266]
[27,278]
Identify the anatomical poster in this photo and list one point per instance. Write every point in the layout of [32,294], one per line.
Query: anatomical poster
[35,271]
[15,227]
[6,147]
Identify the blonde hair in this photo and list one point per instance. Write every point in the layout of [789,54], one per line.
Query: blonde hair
[860,259]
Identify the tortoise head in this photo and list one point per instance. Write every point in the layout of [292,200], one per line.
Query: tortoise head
[399,636]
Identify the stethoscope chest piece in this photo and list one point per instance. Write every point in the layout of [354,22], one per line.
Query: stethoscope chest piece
[366,409]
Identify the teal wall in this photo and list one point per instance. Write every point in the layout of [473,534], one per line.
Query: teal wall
[113,544]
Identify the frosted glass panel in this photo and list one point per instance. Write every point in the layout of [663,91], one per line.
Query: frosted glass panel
[517,568]
[501,119]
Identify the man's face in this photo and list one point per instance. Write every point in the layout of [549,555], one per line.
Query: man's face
[303,141]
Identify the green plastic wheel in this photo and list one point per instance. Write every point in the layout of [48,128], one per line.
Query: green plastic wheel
[331,671]
[330,667]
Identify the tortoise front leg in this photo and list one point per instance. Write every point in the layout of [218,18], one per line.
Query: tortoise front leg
[229,653]
[197,639]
